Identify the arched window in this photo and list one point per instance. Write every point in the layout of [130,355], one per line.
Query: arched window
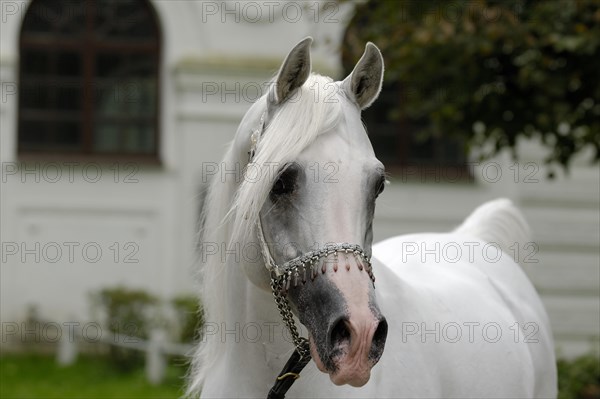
[89,79]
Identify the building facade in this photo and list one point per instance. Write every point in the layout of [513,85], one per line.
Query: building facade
[77,220]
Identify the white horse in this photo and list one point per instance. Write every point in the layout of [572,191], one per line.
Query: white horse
[457,316]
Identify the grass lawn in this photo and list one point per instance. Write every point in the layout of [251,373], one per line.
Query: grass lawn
[38,376]
[33,376]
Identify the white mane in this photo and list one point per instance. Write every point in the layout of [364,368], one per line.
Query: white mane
[291,130]
[230,210]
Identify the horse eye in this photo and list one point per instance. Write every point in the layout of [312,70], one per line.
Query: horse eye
[380,187]
[285,183]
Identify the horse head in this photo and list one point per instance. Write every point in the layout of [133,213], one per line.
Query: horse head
[324,181]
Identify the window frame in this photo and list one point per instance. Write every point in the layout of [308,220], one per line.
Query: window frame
[89,47]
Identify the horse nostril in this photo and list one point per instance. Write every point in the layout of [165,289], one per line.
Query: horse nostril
[378,342]
[340,332]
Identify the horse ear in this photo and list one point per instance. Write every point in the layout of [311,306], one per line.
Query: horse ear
[293,72]
[364,83]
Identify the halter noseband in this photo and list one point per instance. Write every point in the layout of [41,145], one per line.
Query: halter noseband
[291,272]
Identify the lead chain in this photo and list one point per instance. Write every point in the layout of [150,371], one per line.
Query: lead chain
[287,316]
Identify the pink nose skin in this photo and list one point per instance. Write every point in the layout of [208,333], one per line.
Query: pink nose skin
[356,359]
[346,329]
[355,348]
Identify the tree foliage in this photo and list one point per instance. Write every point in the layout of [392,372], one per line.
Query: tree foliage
[491,71]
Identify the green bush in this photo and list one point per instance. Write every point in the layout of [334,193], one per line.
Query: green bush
[127,312]
[579,378]
[190,317]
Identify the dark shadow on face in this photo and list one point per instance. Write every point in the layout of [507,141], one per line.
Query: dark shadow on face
[319,304]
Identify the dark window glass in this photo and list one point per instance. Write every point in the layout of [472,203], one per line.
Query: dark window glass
[123,20]
[55,19]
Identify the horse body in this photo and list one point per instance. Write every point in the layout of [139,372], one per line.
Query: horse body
[462,319]
[481,329]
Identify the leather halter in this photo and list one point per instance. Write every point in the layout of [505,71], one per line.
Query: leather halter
[293,271]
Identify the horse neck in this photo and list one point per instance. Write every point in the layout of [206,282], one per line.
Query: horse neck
[251,335]
[247,303]
[232,301]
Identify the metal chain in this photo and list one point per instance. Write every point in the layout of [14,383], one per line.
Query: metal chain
[281,277]
[287,316]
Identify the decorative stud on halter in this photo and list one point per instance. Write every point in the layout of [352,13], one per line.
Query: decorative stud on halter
[291,270]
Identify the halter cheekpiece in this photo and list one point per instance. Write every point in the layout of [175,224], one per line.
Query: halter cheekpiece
[292,272]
